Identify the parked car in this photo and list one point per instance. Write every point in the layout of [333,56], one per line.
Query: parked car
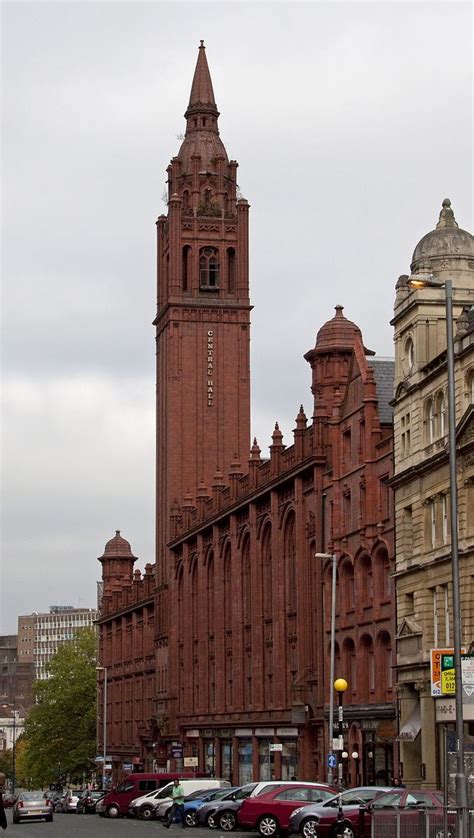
[192,801]
[69,801]
[357,812]
[32,805]
[147,807]
[88,801]
[9,800]
[306,818]
[207,814]
[270,812]
[116,802]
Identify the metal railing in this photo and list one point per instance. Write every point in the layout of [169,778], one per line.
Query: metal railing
[417,823]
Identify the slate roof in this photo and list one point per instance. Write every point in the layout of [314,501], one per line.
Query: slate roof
[384,373]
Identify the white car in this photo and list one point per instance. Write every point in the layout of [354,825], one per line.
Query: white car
[146,807]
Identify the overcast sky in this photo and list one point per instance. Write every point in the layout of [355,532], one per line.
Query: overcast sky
[350,121]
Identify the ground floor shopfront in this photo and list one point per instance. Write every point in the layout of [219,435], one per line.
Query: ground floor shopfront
[240,755]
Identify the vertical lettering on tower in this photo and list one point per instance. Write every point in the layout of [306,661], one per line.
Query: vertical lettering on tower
[210,368]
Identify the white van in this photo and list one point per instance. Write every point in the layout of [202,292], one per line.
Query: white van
[146,807]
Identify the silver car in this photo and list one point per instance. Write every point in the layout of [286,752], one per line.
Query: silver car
[305,820]
[32,805]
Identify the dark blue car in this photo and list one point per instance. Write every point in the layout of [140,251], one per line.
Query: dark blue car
[191,806]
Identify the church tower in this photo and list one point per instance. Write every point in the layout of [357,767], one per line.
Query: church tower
[203,318]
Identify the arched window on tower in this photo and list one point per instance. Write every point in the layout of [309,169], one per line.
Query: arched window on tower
[209,269]
[231,270]
[186,272]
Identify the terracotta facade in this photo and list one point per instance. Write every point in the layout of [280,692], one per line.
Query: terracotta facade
[235,625]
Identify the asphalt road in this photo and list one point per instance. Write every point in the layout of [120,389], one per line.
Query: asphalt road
[90,826]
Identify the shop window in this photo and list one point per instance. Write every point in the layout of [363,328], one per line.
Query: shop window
[245,761]
[265,760]
[289,759]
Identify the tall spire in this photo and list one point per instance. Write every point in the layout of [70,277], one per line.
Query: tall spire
[201,100]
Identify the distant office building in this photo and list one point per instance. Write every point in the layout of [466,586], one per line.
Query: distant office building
[40,635]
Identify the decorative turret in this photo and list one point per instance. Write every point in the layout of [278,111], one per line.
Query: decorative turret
[117,561]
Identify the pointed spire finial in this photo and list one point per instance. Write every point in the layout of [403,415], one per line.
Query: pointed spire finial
[202,92]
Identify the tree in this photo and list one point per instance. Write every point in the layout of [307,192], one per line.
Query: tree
[60,731]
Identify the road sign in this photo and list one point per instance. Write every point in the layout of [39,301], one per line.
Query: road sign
[435,667]
[332,760]
[448,675]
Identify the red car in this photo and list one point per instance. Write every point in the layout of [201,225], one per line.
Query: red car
[269,813]
[357,820]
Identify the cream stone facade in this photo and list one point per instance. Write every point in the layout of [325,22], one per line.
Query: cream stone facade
[421,487]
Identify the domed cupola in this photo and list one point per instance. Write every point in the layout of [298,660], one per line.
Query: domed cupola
[117,560]
[339,333]
[447,246]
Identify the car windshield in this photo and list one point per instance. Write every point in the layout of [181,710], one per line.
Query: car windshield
[32,795]
[194,795]
[390,799]
[244,792]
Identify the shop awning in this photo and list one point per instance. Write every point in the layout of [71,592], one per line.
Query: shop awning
[412,726]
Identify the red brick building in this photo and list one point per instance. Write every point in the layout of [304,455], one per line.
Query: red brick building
[235,625]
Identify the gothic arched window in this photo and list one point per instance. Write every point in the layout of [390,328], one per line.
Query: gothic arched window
[186,267]
[231,270]
[209,268]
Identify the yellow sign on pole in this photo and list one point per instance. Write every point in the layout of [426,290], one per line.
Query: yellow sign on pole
[448,675]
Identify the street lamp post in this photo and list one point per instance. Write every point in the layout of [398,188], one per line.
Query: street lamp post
[429,281]
[333,559]
[104,725]
[13,727]
[340,685]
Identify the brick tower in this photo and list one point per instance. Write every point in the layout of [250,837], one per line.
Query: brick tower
[203,319]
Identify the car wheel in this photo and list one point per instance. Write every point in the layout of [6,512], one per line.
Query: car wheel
[49,818]
[308,828]
[267,826]
[227,821]
[211,821]
[190,818]
[113,811]
[347,831]
[146,813]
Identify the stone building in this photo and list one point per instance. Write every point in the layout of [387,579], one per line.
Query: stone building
[421,486]
[230,674]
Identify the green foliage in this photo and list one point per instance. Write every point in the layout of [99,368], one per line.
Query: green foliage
[60,730]
[6,762]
